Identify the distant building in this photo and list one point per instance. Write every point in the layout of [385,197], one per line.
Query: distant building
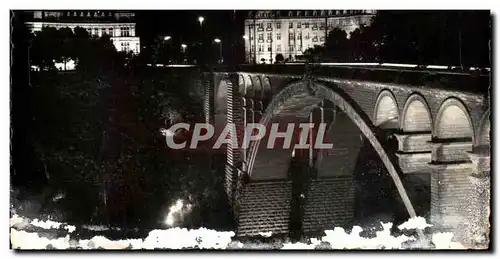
[290,33]
[119,25]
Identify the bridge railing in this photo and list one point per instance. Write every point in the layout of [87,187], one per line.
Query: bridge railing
[374,65]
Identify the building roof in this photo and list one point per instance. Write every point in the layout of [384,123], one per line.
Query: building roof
[82,16]
[266,14]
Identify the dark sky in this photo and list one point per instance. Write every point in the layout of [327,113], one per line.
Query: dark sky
[184,26]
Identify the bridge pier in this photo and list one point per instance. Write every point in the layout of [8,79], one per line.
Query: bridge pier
[477,233]
[450,186]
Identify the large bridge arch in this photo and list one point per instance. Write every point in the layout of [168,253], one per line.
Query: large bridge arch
[386,112]
[416,115]
[298,99]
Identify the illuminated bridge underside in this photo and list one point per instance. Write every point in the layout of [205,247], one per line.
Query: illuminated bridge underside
[297,101]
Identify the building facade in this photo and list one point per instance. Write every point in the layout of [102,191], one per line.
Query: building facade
[119,25]
[290,33]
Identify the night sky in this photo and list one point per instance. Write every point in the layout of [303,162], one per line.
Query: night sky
[183,27]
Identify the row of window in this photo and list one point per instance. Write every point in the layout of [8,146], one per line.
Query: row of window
[269,26]
[262,48]
[263,14]
[125,46]
[124,31]
[291,36]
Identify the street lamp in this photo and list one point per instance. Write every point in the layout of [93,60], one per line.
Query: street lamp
[220,49]
[245,37]
[184,46]
[165,39]
[201,19]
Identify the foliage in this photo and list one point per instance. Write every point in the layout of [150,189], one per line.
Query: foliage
[279,58]
[91,54]
[422,37]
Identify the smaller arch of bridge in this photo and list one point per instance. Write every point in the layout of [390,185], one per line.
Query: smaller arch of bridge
[266,87]
[416,115]
[258,92]
[453,121]
[249,89]
[483,132]
[221,96]
[386,112]
[241,85]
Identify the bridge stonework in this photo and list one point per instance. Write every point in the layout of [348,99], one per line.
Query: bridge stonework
[439,120]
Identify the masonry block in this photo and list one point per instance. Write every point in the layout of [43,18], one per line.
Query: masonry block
[451,152]
[264,207]
[414,162]
[414,142]
[329,203]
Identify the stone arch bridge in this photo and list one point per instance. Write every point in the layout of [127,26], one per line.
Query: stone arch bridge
[438,120]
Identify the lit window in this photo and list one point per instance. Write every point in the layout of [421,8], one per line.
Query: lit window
[125,31]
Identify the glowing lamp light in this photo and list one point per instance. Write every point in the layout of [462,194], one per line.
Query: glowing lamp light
[245,37]
[201,19]
[217,40]
[167,38]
